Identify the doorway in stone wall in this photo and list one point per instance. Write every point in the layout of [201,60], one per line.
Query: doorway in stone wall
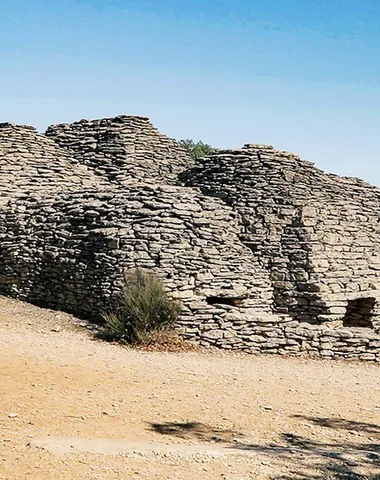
[359,313]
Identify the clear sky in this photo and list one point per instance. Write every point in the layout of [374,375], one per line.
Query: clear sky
[303,75]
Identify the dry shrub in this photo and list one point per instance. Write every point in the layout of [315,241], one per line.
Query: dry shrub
[144,310]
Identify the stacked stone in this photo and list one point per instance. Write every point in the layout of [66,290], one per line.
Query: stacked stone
[265,252]
[69,252]
[30,162]
[317,234]
[267,334]
[124,149]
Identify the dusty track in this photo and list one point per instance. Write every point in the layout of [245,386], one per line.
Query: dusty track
[125,414]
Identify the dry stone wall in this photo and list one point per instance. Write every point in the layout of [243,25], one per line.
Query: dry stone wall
[265,252]
[30,162]
[317,234]
[123,149]
[69,251]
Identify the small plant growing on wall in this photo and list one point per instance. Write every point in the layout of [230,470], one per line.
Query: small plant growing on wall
[196,150]
[144,310]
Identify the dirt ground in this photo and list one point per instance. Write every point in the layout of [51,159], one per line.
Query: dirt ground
[72,407]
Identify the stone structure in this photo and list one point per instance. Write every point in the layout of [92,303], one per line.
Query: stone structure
[123,150]
[266,253]
[33,164]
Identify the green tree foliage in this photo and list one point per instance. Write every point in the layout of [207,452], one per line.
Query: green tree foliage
[196,150]
[144,309]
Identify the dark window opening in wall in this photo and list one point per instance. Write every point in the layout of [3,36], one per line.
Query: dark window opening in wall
[359,313]
[232,301]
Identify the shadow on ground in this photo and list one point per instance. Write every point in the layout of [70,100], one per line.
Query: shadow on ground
[342,424]
[303,458]
[196,431]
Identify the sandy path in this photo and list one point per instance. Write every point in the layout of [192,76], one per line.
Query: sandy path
[170,416]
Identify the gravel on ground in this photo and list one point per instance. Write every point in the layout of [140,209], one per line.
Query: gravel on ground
[74,407]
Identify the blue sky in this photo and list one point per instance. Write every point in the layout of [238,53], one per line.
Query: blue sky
[303,75]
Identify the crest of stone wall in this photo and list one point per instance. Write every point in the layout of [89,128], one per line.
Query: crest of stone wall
[32,163]
[124,149]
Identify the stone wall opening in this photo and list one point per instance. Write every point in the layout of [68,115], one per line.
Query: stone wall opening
[359,313]
[232,301]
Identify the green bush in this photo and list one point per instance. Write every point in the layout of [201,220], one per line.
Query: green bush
[144,310]
[196,150]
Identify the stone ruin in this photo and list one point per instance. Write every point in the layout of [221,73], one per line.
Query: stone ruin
[266,252]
